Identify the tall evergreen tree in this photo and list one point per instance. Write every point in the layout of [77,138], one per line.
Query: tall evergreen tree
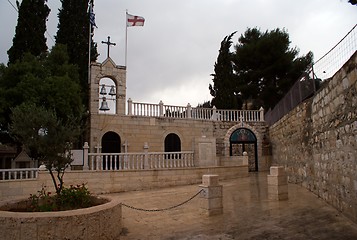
[266,67]
[30,29]
[73,31]
[50,82]
[260,71]
[223,89]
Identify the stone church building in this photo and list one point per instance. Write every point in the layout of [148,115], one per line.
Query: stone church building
[212,137]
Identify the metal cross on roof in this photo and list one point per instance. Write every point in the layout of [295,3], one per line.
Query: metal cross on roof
[108,43]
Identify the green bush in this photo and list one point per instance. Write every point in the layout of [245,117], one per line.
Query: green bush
[73,197]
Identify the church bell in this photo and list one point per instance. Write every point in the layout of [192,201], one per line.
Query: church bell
[112,91]
[103,91]
[104,105]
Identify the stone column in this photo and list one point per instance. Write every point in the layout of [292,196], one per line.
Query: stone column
[146,156]
[130,107]
[245,159]
[277,184]
[85,156]
[189,110]
[214,114]
[161,108]
[261,113]
[211,196]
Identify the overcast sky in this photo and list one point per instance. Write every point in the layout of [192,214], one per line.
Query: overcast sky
[172,56]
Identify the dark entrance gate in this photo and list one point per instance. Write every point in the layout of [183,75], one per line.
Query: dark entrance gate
[244,140]
[172,144]
[111,143]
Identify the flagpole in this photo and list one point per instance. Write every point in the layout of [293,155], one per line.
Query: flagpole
[89,43]
[89,51]
[126,38]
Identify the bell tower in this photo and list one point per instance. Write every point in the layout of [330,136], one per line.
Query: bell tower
[107,88]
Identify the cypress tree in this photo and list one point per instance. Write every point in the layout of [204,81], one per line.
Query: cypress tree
[223,88]
[30,30]
[73,31]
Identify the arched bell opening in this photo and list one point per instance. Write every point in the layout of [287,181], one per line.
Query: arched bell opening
[107,96]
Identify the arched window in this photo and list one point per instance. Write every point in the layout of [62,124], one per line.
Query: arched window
[243,135]
[172,143]
[111,143]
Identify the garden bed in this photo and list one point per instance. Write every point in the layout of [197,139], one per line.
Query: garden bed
[25,205]
[98,222]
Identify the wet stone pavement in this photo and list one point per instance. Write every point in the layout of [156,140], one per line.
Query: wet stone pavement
[247,214]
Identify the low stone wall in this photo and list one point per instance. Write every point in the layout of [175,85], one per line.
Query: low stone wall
[100,182]
[233,160]
[99,222]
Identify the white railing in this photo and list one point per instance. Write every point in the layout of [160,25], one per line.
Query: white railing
[116,161]
[145,109]
[18,173]
[188,112]
[237,115]
[139,161]
[170,160]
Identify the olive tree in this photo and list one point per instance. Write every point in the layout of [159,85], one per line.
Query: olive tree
[45,137]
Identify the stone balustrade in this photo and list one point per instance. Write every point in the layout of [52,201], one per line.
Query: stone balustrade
[137,161]
[18,174]
[188,112]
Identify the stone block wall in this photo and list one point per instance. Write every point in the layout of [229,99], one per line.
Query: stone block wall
[139,130]
[317,141]
[101,182]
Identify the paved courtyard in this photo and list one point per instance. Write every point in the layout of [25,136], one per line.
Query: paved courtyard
[247,214]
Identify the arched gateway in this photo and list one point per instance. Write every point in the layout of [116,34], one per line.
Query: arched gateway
[111,143]
[244,140]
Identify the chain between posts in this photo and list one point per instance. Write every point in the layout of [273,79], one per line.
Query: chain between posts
[163,209]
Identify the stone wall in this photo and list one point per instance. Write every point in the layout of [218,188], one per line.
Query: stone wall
[100,182]
[317,141]
[137,131]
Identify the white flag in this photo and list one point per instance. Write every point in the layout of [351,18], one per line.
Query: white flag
[133,21]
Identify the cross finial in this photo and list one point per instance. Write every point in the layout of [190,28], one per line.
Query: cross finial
[108,43]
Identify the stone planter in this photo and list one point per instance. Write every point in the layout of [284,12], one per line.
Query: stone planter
[98,222]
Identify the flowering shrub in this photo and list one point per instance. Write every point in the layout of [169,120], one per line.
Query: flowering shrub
[73,197]
[42,202]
